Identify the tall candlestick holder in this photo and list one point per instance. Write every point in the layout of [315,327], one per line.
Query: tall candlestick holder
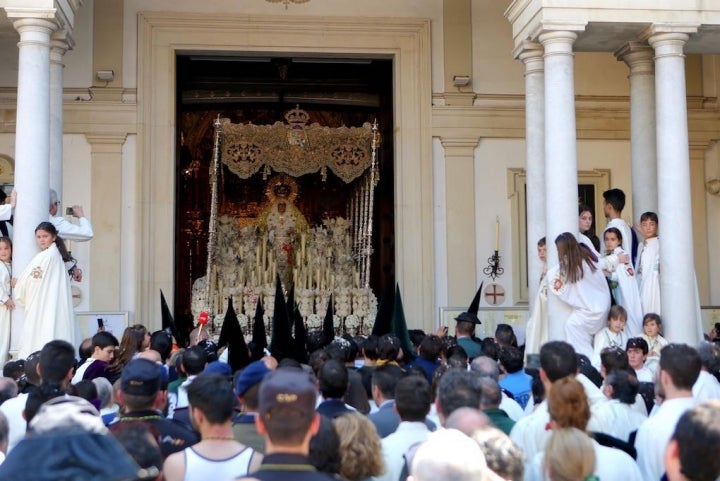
[493,269]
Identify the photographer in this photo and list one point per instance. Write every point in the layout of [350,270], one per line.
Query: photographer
[81,232]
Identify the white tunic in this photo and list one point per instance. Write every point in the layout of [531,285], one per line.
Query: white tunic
[589,299]
[536,332]
[706,387]
[80,232]
[44,290]
[648,274]
[627,294]
[607,338]
[5,313]
[655,432]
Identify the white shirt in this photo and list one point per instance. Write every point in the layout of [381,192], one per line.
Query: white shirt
[706,387]
[395,445]
[530,433]
[511,407]
[80,232]
[654,434]
[13,409]
[80,371]
[617,419]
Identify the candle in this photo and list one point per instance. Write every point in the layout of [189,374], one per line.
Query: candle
[332,281]
[252,279]
[317,278]
[257,256]
[297,259]
[357,279]
[302,245]
[295,276]
[264,252]
[497,234]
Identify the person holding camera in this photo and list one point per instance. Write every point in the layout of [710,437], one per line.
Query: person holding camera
[81,232]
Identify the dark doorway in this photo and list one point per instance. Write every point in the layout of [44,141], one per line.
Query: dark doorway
[251,89]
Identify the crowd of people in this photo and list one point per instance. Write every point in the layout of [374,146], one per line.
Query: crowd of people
[361,408]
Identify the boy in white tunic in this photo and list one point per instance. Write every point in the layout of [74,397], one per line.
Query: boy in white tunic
[648,265]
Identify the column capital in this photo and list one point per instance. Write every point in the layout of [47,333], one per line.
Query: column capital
[532,54]
[668,41]
[107,143]
[558,42]
[33,29]
[639,56]
[459,146]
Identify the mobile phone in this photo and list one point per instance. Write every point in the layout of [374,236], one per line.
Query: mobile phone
[68,211]
[100,322]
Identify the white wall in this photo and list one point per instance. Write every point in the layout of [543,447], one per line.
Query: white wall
[431,9]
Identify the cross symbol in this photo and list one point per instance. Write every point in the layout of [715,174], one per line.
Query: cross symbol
[491,296]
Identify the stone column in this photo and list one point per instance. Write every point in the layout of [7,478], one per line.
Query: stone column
[32,138]
[531,54]
[460,217]
[560,155]
[59,44]
[105,214]
[639,57]
[677,280]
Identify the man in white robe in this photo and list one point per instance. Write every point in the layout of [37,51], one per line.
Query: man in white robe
[678,370]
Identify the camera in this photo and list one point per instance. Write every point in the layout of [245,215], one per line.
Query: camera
[68,211]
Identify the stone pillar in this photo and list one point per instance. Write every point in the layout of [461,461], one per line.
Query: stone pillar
[460,216]
[677,280]
[32,138]
[639,57]
[531,54]
[59,44]
[560,155]
[105,214]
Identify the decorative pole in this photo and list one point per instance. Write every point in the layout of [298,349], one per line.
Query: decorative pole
[212,228]
[371,197]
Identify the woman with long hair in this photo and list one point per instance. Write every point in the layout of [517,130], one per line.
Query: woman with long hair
[44,290]
[135,339]
[580,284]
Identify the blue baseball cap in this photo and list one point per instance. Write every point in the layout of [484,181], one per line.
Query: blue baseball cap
[254,373]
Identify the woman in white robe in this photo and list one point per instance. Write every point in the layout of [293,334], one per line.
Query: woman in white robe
[581,285]
[44,290]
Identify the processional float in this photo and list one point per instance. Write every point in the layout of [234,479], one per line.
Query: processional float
[333,258]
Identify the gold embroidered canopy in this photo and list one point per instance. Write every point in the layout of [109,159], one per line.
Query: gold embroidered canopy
[296,148]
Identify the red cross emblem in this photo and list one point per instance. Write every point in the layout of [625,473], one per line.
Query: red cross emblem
[494,294]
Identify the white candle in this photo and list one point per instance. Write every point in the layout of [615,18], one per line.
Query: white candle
[497,234]
[302,245]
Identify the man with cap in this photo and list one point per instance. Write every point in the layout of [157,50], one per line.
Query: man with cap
[144,398]
[465,327]
[287,419]
[247,387]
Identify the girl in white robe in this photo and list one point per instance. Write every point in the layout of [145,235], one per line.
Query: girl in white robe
[623,283]
[581,285]
[6,302]
[44,290]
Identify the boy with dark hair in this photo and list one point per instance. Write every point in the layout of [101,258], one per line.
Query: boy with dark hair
[505,336]
[515,380]
[98,364]
[457,388]
[333,383]
[57,360]
[384,380]
[428,359]
[613,205]
[412,403]
[648,264]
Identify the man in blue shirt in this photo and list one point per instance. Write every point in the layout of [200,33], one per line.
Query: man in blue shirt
[515,380]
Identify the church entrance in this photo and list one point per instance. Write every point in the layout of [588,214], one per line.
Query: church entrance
[275,219]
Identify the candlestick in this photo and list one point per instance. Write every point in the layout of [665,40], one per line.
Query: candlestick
[497,234]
